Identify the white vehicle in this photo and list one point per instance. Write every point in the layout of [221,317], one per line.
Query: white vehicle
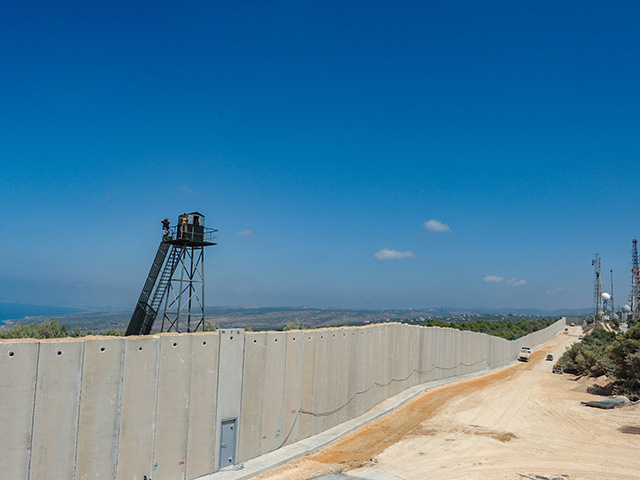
[525,354]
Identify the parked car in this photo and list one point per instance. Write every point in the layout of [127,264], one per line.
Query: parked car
[525,354]
[558,369]
[580,337]
[549,358]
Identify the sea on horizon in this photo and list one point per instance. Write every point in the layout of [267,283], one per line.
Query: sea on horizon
[19,311]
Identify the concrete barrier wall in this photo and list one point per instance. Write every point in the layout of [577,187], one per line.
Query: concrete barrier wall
[181,406]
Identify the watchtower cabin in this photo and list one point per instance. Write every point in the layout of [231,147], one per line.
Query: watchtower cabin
[176,278]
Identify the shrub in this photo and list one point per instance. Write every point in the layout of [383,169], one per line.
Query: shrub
[292,325]
[590,357]
[46,329]
[625,356]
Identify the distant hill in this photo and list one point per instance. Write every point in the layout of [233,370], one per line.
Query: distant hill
[276,318]
[264,318]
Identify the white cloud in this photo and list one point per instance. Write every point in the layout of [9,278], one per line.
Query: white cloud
[436,226]
[556,291]
[514,282]
[386,254]
[493,278]
[245,233]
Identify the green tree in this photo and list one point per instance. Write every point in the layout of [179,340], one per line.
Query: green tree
[625,356]
[292,325]
[210,326]
[46,329]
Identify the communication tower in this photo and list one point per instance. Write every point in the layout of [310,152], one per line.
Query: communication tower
[177,277]
[597,290]
[613,309]
[634,298]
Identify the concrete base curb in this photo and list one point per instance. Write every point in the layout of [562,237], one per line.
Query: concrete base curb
[268,461]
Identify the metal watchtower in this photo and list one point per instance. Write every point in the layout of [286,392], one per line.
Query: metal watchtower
[177,277]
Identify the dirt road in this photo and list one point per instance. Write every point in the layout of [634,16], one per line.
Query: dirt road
[521,422]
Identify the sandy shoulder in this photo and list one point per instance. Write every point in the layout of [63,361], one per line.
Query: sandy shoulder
[517,423]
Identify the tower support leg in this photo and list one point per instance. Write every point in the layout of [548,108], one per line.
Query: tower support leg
[184,307]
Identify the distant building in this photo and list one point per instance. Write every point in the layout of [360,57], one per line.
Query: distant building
[577,319]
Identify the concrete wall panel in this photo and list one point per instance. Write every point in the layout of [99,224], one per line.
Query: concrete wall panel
[399,350]
[446,357]
[253,378]
[321,385]
[386,348]
[55,419]
[138,408]
[342,386]
[377,364]
[428,355]
[472,348]
[370,371]
[432,354]
[18,368]
[99,408]
[333,358]
[423,352]
[362,378]
[202,404]
[292,387]
[409,337]
[229,405]
[414,355]
[425,365]
[352,386]
[308,382]
[272,414]
[464,353]
[172,411]
[451,353]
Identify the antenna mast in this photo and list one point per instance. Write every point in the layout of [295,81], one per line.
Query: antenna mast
[597,290]
[613,310]
[634,298]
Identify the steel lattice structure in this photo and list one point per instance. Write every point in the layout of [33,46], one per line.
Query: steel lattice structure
[634,298]
[184,307]
[613,306]
[177,278]
[597,290]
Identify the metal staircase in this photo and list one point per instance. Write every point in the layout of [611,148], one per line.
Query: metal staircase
[146,310]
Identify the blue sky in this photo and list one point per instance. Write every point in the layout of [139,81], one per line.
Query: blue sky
[352,154]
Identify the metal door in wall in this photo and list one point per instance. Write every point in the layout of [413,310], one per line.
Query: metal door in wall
[228,442]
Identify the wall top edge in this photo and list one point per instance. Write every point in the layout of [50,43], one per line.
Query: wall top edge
[333,328]
[227,331]
[102,338]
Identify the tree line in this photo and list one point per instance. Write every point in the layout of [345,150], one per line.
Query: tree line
[508,329]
